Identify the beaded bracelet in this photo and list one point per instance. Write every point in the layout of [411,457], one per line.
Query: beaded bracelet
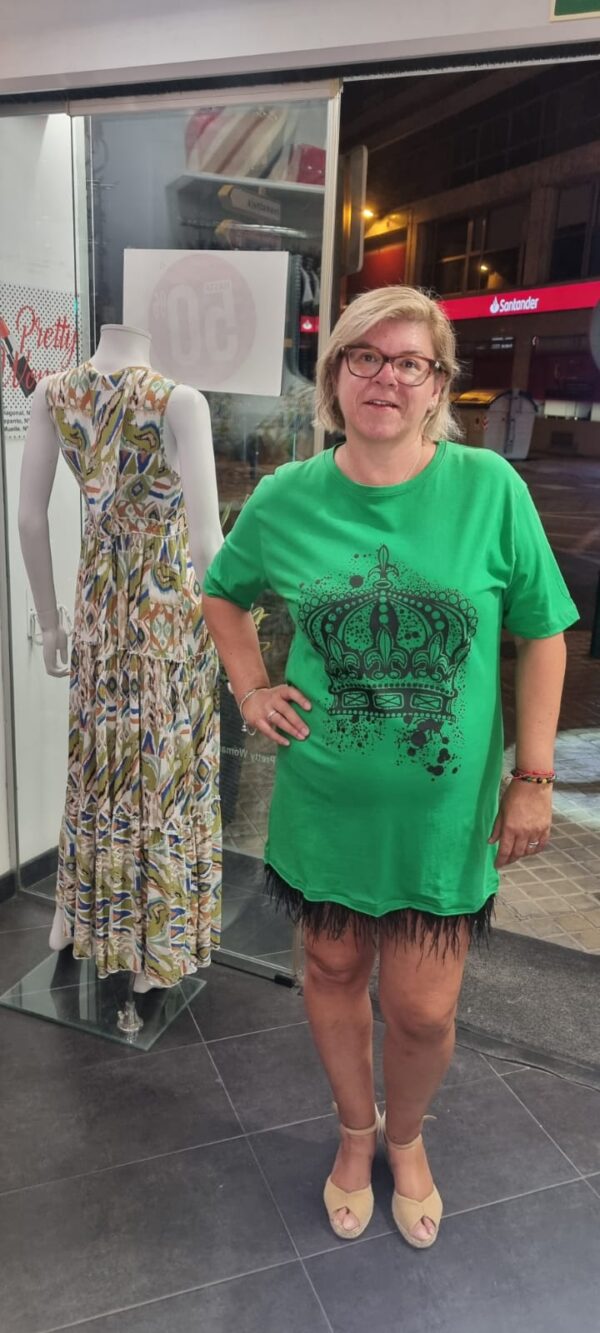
[543,779]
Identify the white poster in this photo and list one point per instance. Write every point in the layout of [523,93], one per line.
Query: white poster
[216,321]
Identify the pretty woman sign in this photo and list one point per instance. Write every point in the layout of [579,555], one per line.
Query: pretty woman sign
[38,336]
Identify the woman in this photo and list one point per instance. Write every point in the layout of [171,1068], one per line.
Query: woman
[400,556]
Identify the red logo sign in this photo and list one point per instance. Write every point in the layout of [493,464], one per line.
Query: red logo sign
[535,301]
[309,323]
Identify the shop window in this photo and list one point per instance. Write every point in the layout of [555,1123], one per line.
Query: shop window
[452,238]
[493,270]
[449,276]
[576,245]
[480,253]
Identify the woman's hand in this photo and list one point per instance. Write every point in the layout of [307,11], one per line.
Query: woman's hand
[270,711]
[523,822]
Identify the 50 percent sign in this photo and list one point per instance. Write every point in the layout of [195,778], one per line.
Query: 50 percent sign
[198,329]
[203,319]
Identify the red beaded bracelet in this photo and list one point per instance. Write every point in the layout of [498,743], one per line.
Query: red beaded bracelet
[543,779]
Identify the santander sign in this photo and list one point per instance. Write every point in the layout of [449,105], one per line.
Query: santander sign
[513,305]
[536,301]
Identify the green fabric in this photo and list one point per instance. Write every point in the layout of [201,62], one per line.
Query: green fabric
[398,594]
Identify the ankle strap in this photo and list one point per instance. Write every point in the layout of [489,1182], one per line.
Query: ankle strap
[391,1142]
[358,1133]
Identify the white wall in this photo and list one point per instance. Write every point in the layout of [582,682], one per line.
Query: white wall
[67,43]
[36,252]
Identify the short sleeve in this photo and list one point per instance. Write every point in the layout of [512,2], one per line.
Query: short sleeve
[537,602]
[237,572]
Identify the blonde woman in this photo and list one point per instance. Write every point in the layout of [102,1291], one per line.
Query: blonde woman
[401,556]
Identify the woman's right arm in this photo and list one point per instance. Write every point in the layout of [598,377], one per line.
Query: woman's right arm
[270,709]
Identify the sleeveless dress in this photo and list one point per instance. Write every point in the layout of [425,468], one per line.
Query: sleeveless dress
[139,867]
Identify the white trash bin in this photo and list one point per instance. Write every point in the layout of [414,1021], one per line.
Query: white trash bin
[497,419]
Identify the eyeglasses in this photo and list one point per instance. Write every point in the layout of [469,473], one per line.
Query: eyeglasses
[366,363]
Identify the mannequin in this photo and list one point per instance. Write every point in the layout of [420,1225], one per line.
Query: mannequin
[187,445]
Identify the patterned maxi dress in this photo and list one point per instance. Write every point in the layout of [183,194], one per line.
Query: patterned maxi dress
[139,873]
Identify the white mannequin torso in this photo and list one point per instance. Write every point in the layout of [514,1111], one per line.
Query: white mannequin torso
[188,448]
[120,345]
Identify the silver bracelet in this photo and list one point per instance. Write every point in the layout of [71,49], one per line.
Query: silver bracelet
[250,731]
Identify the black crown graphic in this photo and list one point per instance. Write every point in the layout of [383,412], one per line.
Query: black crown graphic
[389,650]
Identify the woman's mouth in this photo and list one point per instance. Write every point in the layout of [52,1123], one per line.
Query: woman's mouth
[380,403]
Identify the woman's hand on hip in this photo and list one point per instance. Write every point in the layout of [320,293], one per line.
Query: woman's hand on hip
[523,822]
[270,711]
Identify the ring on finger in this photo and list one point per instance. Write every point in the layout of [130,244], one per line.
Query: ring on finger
[536,843]
[269,715]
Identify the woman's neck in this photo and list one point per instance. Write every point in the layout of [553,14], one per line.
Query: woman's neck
[382,462]
[119,346]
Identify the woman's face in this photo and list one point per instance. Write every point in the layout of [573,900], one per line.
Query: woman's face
[382,409]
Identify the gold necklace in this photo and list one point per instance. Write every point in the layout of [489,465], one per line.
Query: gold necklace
[413,469]
[408,476]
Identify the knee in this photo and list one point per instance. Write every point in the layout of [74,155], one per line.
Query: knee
[334,973]
[420,1022]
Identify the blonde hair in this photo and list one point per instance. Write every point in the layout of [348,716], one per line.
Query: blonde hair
[357,320]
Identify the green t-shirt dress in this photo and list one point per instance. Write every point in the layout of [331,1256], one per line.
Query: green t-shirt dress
[398,595]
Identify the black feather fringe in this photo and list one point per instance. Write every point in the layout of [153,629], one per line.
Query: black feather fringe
[406,924]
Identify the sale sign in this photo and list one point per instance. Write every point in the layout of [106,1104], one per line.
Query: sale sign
[216,321]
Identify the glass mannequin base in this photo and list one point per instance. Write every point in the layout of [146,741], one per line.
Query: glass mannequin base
[68,991]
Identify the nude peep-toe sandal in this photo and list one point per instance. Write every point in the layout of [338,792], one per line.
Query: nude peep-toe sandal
[359,1202]
[407,1212]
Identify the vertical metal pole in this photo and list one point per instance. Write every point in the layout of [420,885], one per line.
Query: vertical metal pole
[329,231]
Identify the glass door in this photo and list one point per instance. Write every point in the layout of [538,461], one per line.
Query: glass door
[38,336]
[224,174]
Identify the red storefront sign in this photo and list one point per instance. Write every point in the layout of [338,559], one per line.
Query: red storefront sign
[532,301]
[309,323]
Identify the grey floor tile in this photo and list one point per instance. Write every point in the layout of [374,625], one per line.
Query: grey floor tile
[96,1117]
[505,1067]
[32,1044]
[267,1302]
[134,1234]
[297,1161]
[528,1266]
[467,1066]
[22,912]
[568,1111]
[484,1146]
[233,1003]
[273,1077]
[20,951]
[254,927]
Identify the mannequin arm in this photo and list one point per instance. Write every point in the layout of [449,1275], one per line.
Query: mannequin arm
[188,419]
[38,470]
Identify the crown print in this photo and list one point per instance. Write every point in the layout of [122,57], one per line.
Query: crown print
[389,649]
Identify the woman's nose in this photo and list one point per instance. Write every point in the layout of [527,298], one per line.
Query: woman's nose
[386,375]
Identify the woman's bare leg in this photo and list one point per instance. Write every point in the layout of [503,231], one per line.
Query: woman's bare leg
[336,996]
[418,994]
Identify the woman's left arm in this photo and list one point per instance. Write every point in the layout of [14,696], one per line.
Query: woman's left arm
[524,819]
